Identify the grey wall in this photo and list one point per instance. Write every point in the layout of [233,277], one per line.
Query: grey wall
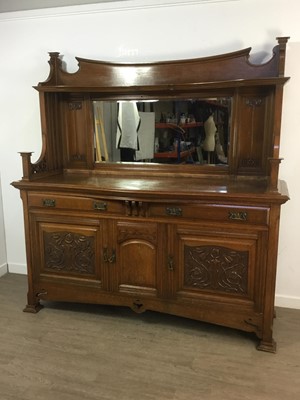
[3,261]
[20,5]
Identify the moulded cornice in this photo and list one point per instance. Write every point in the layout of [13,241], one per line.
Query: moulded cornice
[113,6]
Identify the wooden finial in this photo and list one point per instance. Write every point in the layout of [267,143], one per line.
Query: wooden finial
[282,41]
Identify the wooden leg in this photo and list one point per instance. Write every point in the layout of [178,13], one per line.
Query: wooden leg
[33,304]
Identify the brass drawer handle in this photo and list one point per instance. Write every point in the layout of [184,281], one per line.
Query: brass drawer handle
[174,211]
[100,206]
[49,203]
[238,215]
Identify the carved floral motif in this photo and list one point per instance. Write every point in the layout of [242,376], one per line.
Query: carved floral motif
[78,157]
[39,167]
[249,162]
[216,268]
[127,233]
[132,234]
[69,252]
[254,102]
[75,105]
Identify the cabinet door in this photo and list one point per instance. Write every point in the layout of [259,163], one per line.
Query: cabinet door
[226,264]
[67,250]
[137,254]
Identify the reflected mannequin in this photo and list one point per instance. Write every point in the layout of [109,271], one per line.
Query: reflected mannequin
[149,131]
[210,134]
[209,143]
[127,130]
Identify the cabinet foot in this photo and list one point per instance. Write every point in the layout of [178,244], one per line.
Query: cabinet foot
[33,309]
[269,347]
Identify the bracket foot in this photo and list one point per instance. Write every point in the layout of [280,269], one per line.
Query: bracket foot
[33,308]
[269,347]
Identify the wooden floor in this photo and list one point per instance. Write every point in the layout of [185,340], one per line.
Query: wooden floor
[86,352]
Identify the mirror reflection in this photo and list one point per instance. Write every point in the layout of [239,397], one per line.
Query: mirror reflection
[185,131]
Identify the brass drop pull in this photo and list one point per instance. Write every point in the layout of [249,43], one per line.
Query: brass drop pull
[109,259]
[112,258]
[171,263]
[105,255]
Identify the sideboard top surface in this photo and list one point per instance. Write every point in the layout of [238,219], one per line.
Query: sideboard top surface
[152,187]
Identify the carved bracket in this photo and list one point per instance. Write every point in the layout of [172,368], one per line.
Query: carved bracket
[135,208]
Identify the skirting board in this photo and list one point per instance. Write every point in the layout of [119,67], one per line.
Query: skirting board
[3,269]
[280,300]
[17,269]
[287,301]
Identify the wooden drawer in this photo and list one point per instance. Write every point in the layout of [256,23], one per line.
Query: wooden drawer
[51,201]
[226,213]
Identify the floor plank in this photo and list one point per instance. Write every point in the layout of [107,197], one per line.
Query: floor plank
[78,352]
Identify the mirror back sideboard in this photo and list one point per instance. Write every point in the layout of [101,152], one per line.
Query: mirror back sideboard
[192,236]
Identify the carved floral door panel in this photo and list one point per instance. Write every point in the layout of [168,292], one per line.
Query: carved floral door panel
[69,250]
[228,264]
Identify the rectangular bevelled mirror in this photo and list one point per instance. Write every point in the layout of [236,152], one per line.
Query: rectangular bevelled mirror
[169,131]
